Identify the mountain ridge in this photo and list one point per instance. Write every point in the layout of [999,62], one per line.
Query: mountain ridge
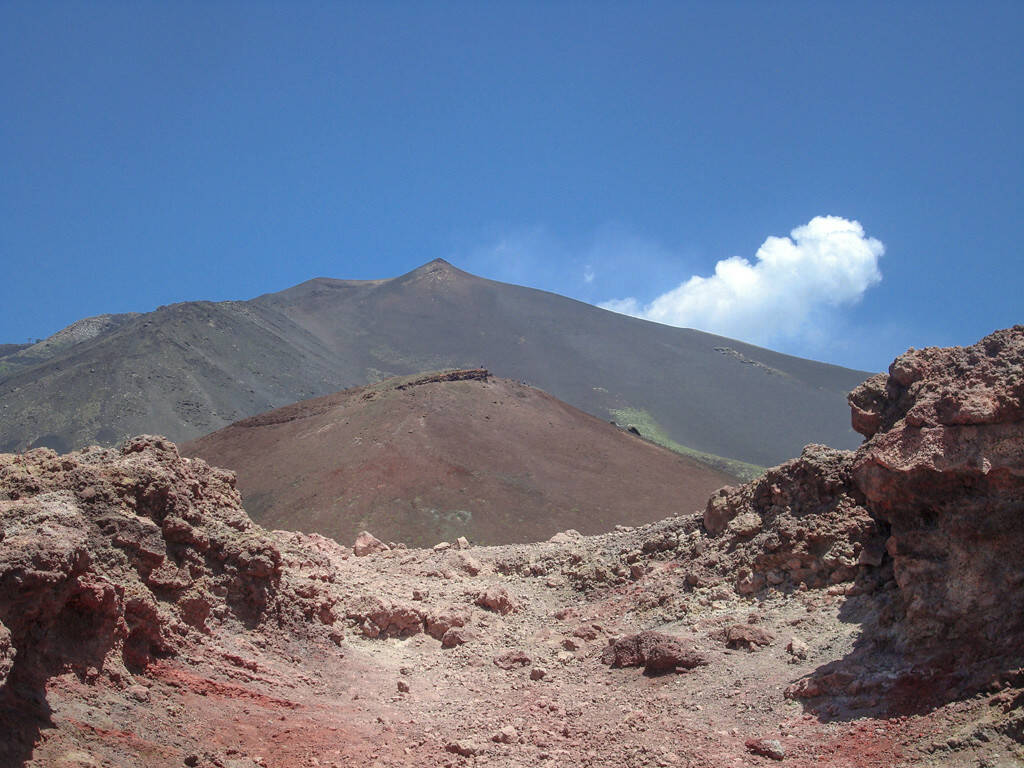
[189,368]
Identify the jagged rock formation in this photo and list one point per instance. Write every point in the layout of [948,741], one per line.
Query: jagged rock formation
[939,483]
[944,468]
[803,522]
[111,560]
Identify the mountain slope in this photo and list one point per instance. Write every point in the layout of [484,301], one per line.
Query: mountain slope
[186,369]
[425,458]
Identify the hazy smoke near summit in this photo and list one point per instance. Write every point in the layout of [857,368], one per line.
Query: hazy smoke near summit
[827,263]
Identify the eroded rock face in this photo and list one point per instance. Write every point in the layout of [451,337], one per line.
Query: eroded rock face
[803,522]
[111,558]
[933,499]
[944,467]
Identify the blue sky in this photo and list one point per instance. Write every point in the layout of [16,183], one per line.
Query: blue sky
[161,152]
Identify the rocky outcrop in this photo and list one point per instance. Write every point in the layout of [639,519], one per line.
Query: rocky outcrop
[932,504]
[944,468]
[110,559]
[803,522]
[469,374]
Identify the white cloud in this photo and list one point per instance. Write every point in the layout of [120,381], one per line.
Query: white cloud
[794,281]
[588,274]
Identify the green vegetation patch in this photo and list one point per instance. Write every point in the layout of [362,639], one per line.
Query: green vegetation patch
[650,429]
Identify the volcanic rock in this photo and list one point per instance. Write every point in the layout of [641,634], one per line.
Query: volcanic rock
[457,636]
[797,648]
[746,636]
[113,560]
[654,651]
[944,470]
[801,522]
[512,659]
[766,748]
[496,598]
[368,544]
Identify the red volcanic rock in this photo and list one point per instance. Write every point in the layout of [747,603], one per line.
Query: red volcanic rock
[457,636]
[437,624]
[465,748]
[946,386]
[368,544]
[801,522]
[766,748]
[654,651]
[512,659]
[746,636]
[381,619]
[944,469]
[496,598]
[110,559]
[932,504]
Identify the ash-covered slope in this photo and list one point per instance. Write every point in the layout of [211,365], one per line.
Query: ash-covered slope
[187,369]
[426,458]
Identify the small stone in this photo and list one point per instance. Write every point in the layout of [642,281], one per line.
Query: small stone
[464,748]
[368,544]
[138,692]
[192,760]
[506,735]
[746,524]
[796,648]
[537,673]
[766,748]
[403,687]
[586,631]
[496,598]
[442,546]
[457,636]
[468,563]
[748,637]
[462,542]
[511,659]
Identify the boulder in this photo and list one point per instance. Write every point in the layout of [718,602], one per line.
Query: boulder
[368,544]
[496,598]
[654,651]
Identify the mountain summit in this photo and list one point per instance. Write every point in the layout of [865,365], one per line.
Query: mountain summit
[187,369]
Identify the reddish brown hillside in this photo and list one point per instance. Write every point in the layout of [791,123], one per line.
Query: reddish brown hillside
[421,459]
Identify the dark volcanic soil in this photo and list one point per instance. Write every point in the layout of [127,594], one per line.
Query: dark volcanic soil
[429,458]
[187,369]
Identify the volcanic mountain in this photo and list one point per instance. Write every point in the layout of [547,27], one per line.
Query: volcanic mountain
[421,459]
[852,609]
[187,369]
